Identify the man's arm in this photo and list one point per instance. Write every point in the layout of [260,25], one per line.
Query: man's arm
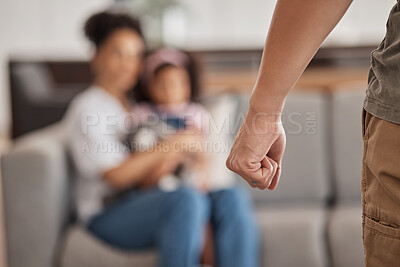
[297,30]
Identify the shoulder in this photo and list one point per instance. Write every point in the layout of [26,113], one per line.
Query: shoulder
[197,108]
[198,111]
[92,102]
[199,116]
[94,99]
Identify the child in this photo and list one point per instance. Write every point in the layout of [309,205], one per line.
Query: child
[165,107]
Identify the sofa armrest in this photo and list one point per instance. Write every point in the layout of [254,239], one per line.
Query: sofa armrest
[35,188]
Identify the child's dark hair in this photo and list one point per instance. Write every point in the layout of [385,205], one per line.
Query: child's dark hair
[141,93]
[101,25]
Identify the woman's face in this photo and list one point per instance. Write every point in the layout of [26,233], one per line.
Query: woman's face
[171,85]
[118,60]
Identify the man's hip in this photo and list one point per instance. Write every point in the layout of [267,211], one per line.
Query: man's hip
[381,191]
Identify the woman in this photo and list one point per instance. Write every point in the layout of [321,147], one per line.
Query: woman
[96,121]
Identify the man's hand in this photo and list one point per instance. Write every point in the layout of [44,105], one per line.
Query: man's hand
[257,152]
[297,30]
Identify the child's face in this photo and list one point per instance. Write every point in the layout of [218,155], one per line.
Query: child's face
[171,85]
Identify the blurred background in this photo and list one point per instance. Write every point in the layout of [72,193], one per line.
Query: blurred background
[44,63]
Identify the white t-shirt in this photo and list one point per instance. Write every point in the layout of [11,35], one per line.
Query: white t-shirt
[96,125]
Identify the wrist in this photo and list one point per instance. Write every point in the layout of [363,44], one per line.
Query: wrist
[264,117]
[267,101]
[265,112]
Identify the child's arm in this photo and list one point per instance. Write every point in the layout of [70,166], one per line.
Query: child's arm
[297,30]
[165,167]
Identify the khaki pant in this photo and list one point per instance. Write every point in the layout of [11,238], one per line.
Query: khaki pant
[381,192]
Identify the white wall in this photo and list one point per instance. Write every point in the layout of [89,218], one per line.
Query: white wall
[40,29]
[364,23]
[237,23]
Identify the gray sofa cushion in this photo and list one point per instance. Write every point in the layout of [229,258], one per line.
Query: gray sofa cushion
[80,248]
[347,143]
[305,169]
[345,236]
[36,193]
[293,236]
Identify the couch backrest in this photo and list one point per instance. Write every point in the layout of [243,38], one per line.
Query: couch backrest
[37,99]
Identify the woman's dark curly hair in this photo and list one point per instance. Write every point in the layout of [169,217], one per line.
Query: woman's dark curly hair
[101,25]
[141,93]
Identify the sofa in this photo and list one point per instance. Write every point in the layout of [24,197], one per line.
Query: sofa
[312,219]
[37,97]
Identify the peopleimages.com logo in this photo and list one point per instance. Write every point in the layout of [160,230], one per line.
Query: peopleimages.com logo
[218,132]
[111,123]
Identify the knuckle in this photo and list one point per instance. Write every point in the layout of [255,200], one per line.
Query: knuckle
[245,163]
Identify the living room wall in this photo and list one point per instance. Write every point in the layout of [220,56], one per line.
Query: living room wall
[40,29]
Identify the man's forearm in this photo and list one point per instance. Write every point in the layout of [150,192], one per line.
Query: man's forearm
[297,30]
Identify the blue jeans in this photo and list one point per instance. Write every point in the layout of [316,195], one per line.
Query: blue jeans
[236,235]
[174,223]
